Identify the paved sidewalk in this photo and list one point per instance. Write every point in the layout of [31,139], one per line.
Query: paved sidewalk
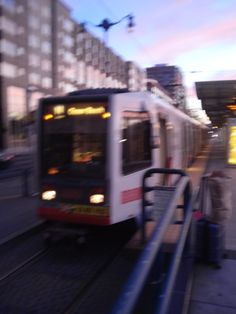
[214,290]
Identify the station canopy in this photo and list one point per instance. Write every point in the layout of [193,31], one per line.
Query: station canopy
[218,100]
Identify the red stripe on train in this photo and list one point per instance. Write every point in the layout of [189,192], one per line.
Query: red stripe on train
[130,195]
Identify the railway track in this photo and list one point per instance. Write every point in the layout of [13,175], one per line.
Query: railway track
[65,276]
[20,249]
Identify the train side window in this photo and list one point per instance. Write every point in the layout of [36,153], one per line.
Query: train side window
[136,141]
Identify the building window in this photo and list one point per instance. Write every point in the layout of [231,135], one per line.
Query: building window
[95,61]
[8,47]
[46,47]
[45,29]
[33,5]
[34,22]
[88,43]
[79,51]
[21,72]
[34,78]
[20,30]
[81,73]
[68,57]
[95,49]
[20,51]
[34,60]
[80,37]
[68,88]
[46,12]
[88,57]
[47,82]
[7,70]
[7,25]
[68,25]
[16,102]
[68,41]
[20,9]
[69,73]
[46,65]
[131,81]
[34,41]
[136,144]
[34,100]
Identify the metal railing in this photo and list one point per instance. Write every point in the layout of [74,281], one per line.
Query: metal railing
[132,292]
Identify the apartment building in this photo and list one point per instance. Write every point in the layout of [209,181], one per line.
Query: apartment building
[44,51]
[170,78]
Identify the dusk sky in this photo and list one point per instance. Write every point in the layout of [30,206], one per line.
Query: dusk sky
[198,36]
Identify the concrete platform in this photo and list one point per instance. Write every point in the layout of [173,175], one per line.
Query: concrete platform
[214,290]
[169,241]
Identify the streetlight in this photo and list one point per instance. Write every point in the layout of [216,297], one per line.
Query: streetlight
[106,24]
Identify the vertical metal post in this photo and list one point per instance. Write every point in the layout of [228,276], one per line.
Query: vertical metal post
[187,198]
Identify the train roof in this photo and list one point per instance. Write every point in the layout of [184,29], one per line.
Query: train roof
[86,94]
[98,92]
[164,103]
[104,93]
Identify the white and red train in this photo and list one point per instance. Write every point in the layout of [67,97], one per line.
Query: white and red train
[95,145]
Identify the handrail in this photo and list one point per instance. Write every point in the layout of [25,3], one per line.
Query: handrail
[145,189]
[169,284]
[128,299]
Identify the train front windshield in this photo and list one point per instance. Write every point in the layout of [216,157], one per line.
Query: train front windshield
[74,140]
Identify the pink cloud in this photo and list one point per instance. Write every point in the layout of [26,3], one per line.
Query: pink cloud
[224,75]
[188,40]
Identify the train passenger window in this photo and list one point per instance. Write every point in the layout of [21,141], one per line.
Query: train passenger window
[136,141]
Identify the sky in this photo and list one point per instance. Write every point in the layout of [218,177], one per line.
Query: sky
[197,36]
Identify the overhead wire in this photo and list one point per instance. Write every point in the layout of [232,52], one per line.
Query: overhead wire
[139,44]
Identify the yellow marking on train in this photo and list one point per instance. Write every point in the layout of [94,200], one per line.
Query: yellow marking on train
[85,209]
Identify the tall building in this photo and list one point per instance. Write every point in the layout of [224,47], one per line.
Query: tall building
[135,77]
[44,51]
[170,77]
[25,62]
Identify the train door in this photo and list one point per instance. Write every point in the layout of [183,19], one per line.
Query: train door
[165,148]
[163,143]
[188,143]
[184,146]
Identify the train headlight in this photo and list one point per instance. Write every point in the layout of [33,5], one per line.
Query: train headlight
[96,198]
[49,195]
